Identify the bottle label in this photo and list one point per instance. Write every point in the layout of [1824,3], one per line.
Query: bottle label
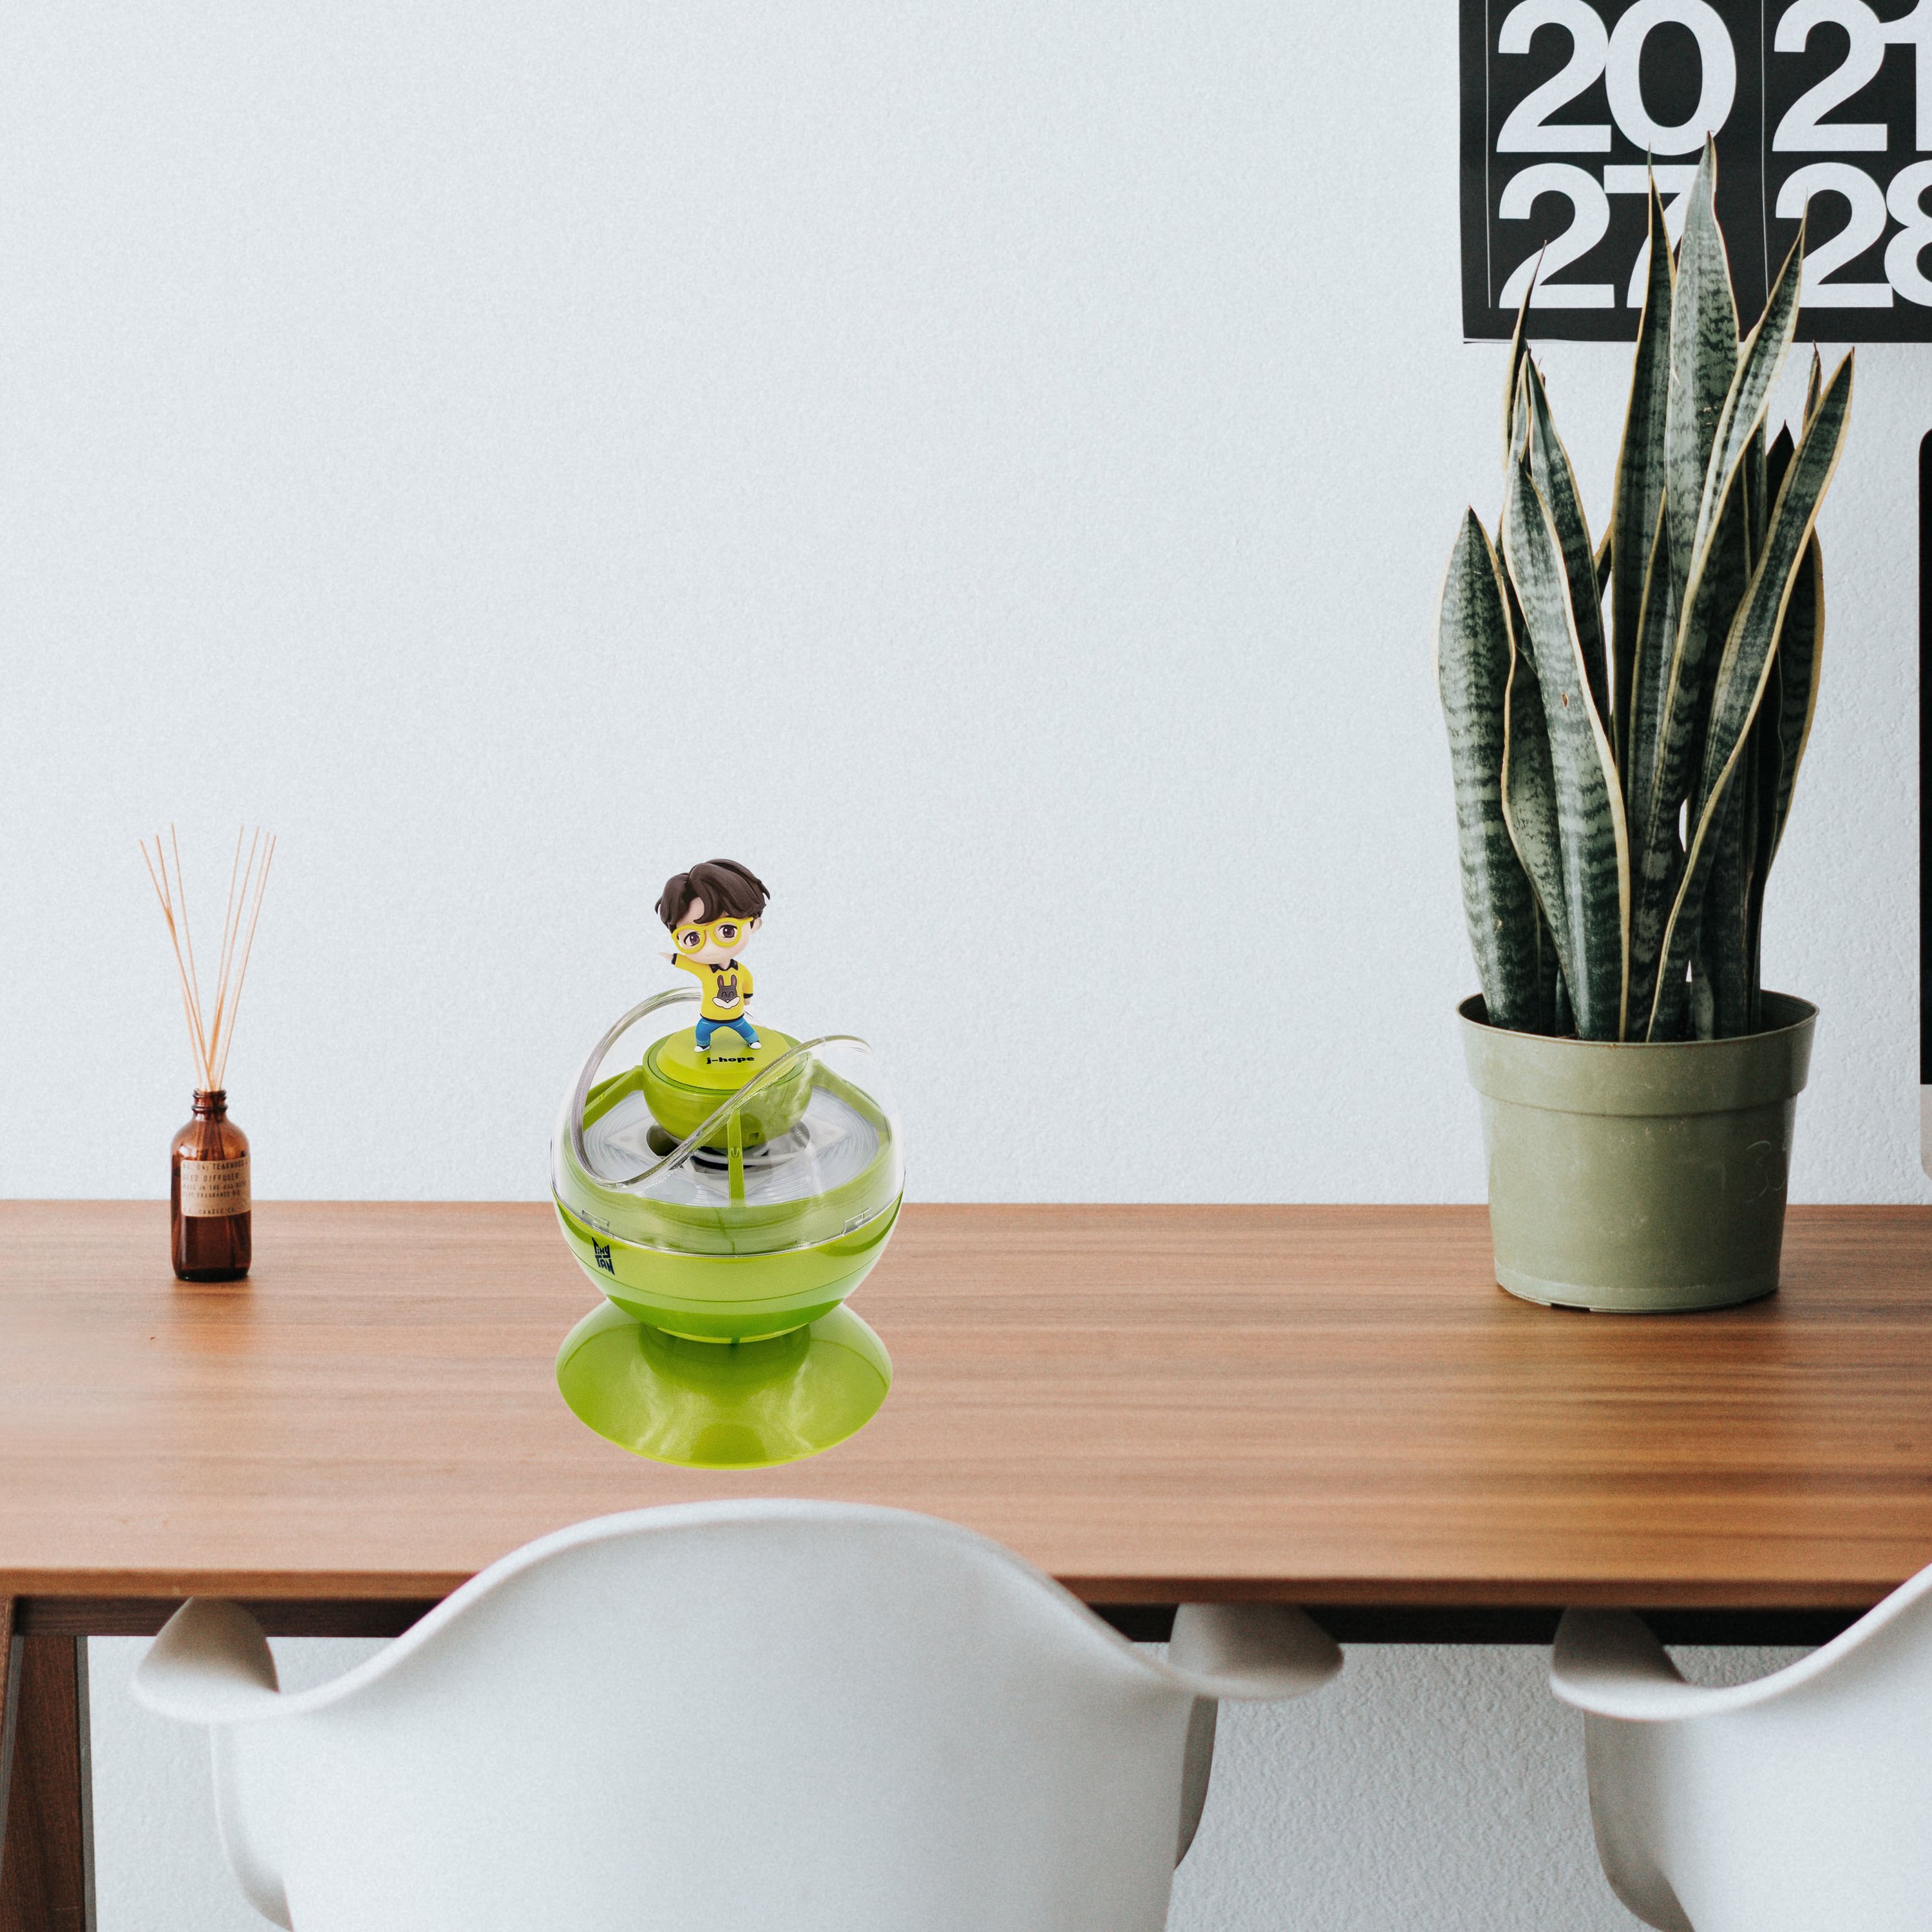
[210,1188]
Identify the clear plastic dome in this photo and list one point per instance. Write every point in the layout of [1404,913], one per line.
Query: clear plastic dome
[806,1152]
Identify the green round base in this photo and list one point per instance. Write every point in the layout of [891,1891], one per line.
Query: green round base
[723,1404]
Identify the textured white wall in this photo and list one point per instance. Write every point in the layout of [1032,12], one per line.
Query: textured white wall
[989,468]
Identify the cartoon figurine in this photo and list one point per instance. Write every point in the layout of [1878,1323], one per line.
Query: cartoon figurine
[711,912]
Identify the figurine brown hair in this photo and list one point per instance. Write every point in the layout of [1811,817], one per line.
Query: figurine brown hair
[726,890]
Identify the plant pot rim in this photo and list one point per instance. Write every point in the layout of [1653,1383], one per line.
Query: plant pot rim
[1656,1077]
[1801,1012]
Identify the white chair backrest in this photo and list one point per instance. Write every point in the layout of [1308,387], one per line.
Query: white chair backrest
[770,1716]
[1800,1802]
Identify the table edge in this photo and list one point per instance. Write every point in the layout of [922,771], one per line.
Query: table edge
[1661,1593]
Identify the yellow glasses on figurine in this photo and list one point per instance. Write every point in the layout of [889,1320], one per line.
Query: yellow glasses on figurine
[725,932]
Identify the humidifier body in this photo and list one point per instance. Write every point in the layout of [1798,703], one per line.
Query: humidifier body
[725,1204]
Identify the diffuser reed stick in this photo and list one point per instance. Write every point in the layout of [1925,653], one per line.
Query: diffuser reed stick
[210,1215]
[247,879]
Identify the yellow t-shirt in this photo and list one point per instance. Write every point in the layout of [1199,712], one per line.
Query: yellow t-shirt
[727,988]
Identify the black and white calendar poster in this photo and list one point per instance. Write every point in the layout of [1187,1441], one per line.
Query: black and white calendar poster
[1817,105]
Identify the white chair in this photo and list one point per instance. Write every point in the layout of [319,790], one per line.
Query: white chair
[1801,1802]
[750,1716]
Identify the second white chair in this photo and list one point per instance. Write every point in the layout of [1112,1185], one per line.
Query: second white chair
[1801,1802]
[757,1716]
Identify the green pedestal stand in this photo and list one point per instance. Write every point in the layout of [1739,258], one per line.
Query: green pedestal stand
[723,1405]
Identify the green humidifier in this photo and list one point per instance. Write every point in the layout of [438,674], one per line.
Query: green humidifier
[726,1198]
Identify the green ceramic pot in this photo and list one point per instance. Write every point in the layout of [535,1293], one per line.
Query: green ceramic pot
[1636,1177]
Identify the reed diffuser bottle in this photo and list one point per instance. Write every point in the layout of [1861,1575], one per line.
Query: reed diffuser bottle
[210,1207]
[210,1227]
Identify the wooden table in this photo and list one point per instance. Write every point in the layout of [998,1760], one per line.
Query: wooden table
[1333,1406]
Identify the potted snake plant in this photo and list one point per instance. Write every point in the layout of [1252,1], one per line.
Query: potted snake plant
[1622,783]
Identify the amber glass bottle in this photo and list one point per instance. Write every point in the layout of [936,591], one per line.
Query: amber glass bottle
[209,1199]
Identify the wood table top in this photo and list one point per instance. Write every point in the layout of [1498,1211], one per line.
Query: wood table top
[1155,1404]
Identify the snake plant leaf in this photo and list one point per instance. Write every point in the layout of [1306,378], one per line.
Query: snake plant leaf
[1721,991]
[1520,417]
[1473,651]
[1604,559]
[1554,1005]
[1728,537]
[1519,348]
[1755,469]
[1758,778]
[1703,1007]
[1667,719]
[1743,672]
[1703,360]
[1755,632]
[1655,635]
[1814,383]
[1556,481]
[1529,810]
[1749,395]
[1595,860]
[1763,782]
[1638,490]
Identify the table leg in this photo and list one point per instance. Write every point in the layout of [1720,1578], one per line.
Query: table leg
[46,1835]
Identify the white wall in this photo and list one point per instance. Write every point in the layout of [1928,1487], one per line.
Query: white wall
[989,468]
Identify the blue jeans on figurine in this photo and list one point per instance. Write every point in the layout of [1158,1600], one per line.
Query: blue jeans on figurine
[741,1027]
